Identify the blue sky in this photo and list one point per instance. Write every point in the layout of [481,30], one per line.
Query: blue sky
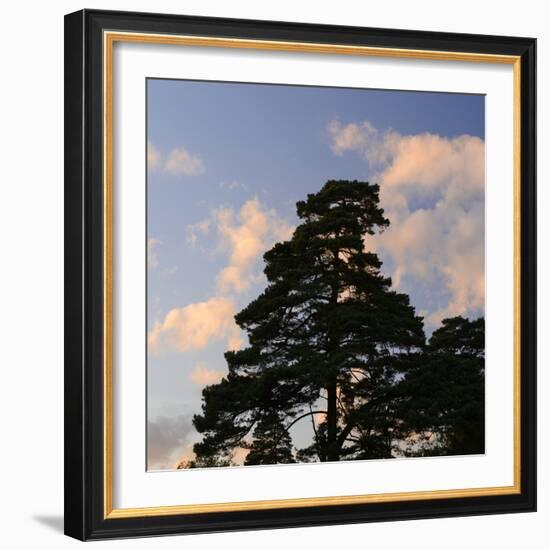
[227,163]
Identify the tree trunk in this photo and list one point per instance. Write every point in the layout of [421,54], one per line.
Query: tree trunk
[332,452]
[332,419]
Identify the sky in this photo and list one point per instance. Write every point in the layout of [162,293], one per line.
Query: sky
[227,163]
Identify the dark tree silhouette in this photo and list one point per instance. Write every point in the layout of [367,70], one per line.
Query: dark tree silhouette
[328,339]
[271,442]
[443,395]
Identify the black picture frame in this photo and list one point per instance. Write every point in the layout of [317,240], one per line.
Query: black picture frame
[84,283]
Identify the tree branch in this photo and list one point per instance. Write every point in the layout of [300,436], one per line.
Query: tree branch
[285,430]
[303,416]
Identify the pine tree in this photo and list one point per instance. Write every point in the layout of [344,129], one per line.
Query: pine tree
[271,442]
[327,338]
[444,394]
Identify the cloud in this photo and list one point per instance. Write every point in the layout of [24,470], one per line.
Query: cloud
[167,439]
[204,376]
[432,190]
[194,326]
[363,137]
[194,230]
[246,235]
[233,185]
[180,162]
[152,256]
[153,156]
[236,340]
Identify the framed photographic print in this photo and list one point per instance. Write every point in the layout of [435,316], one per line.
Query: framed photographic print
[300,274]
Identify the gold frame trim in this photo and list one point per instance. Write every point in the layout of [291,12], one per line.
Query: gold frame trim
[109,39]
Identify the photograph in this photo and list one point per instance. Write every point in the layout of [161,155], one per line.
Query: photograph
[315,274]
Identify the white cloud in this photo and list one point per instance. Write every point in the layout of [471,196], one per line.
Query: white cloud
[432,190]
[363,137]
[194,326]
[195,230]
[233,185]
[181,162]
[167,439]
[152,256]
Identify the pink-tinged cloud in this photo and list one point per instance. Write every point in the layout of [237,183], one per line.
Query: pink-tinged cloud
[443,240]
[194,326]
[236,340]
[185,457]
[203,376]
[237,458]
[244,236]
[181,162]
[248,235]
[239,455]
[153,157]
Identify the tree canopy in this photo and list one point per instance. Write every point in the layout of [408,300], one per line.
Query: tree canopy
[331,344]
[443,395]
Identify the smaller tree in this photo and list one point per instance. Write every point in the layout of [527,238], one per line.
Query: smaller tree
[206,462]
[271,442]
[443,394]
